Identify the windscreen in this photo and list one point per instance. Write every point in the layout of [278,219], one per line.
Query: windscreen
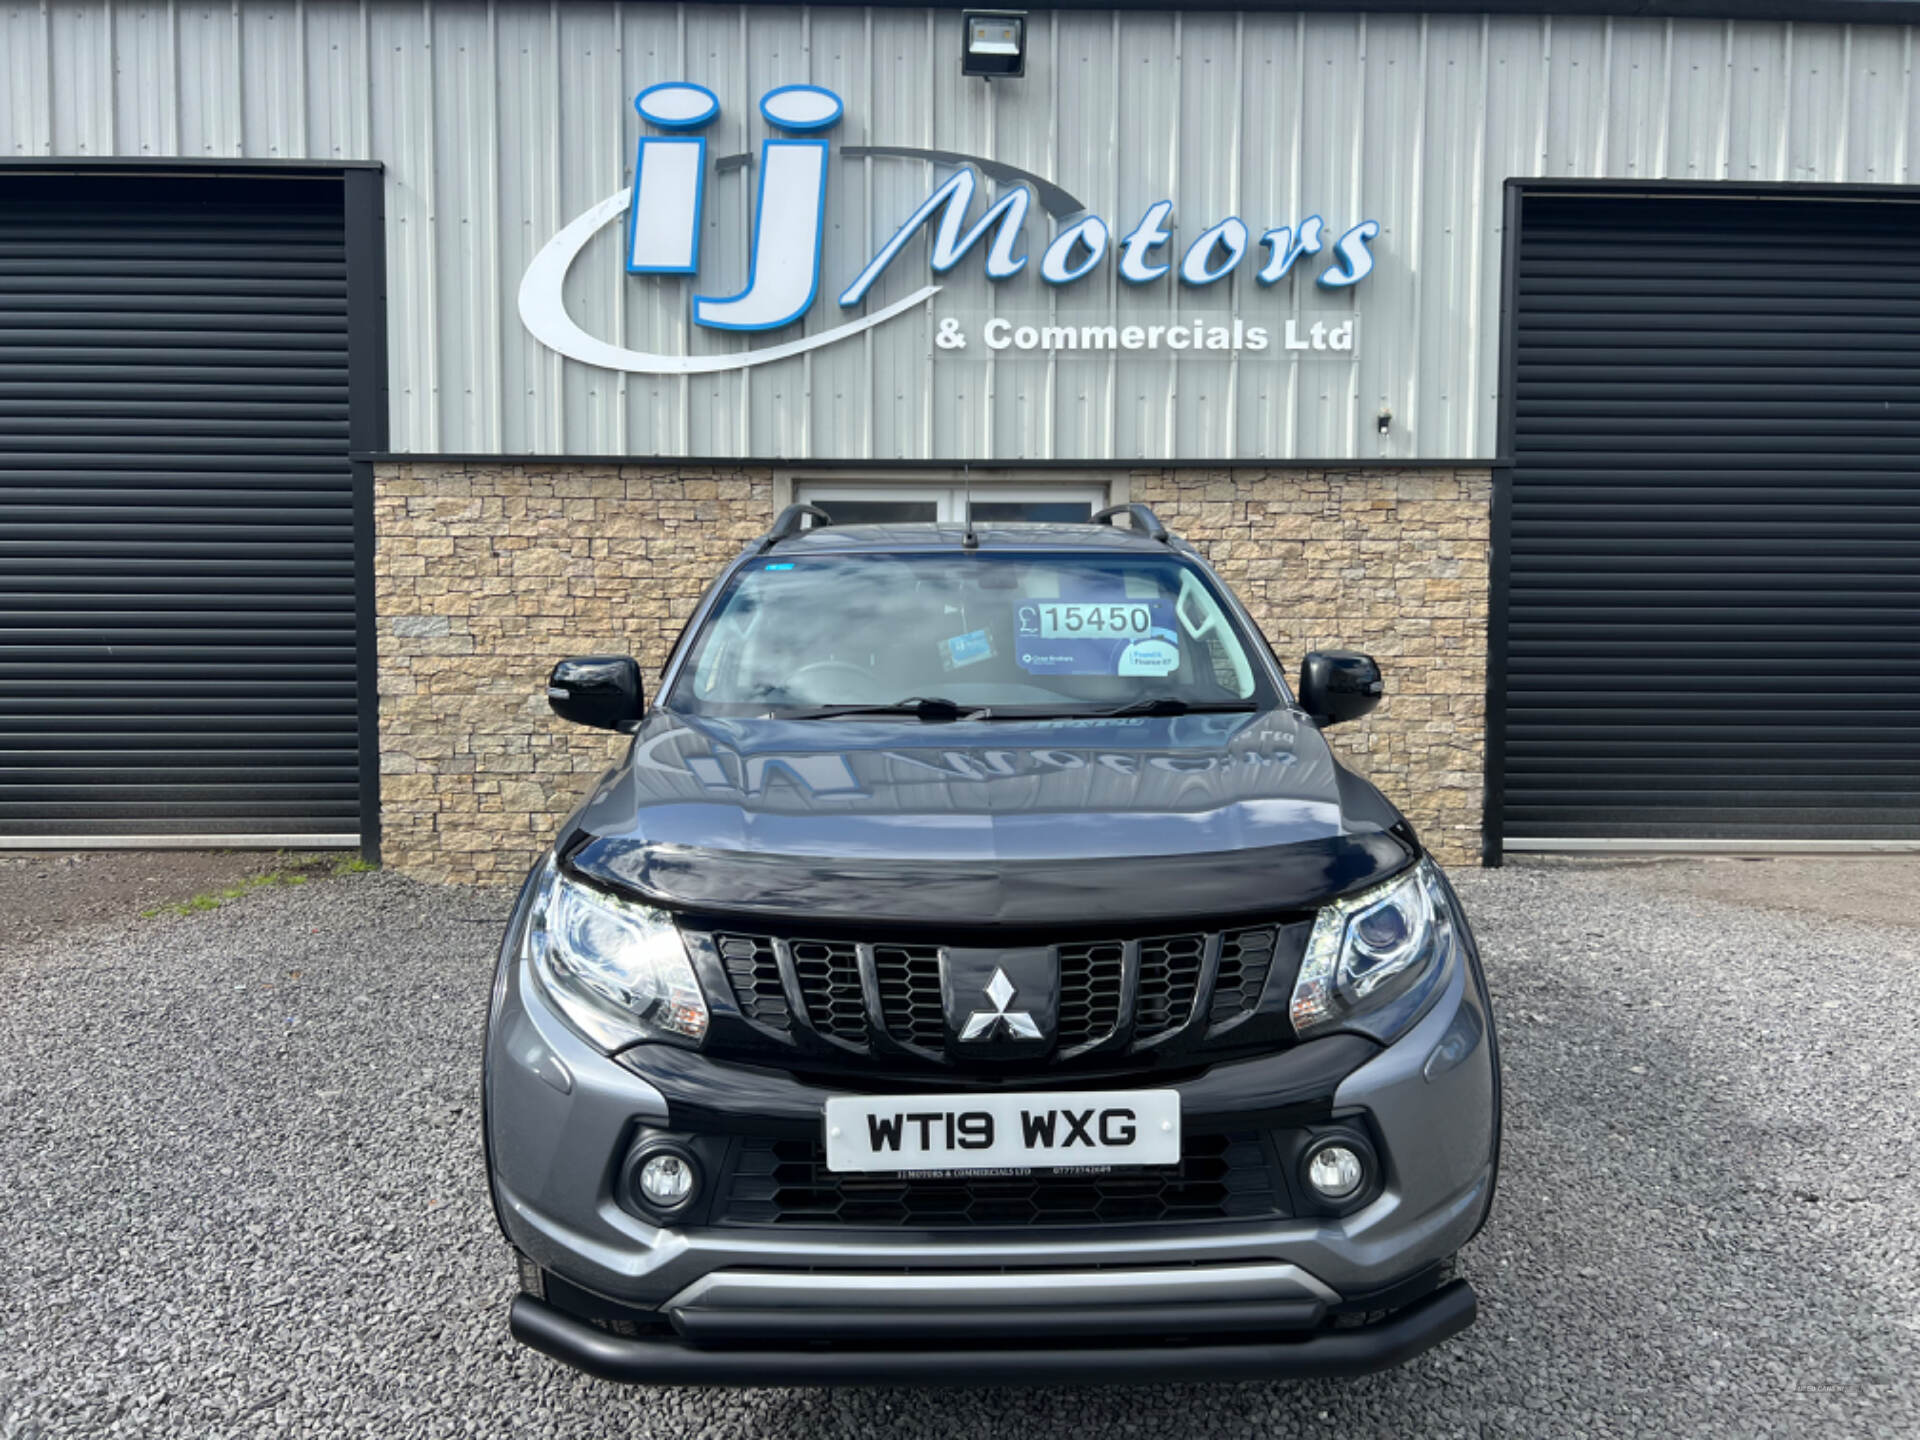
[1027,632]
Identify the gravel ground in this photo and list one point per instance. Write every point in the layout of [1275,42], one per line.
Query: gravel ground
[1882,887]
[241,1191]
[42,893]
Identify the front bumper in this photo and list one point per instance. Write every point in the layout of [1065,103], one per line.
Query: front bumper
[727,1302]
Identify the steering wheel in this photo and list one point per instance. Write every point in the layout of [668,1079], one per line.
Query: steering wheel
[844,668]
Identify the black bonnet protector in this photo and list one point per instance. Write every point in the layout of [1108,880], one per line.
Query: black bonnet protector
[1087,823]
[1040,893]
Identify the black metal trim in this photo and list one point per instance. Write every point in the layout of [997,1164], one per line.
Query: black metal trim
[1499,576]
[367,420]
[916,467]
[201,166]
[1500,545]
[1359,1350]
[1868,12]
[1615,187]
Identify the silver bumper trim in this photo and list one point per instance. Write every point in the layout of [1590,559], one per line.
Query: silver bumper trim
[950,1290]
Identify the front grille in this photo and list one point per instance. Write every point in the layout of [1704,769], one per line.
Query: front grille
[786,1182]
[815,987]
[1165,974]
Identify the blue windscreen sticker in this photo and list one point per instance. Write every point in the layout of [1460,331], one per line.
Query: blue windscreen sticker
[1095,634]
[968,649]
[787,566]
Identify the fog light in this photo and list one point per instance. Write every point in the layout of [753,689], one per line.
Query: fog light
[1335,1171]
[667,1180]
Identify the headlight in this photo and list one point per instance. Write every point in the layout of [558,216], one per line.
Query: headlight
[619,971]
[1373,957]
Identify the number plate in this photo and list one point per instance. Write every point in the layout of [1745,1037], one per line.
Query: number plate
[994,1132]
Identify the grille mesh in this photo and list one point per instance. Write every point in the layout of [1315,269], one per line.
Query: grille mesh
[1245,958]
[1169,979]
[829,972]
[786,1182]
[753,968]
[910,993]
[1089,991]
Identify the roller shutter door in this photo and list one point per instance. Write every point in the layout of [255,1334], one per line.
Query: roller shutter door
[1714,593]
[177,600]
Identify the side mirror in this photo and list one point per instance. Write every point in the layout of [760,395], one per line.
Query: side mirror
[1338,685]
[598,690]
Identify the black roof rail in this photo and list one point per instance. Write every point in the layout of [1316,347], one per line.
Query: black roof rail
[786,525]
[1141,518]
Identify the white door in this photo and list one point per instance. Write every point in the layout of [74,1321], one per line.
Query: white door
[884,502]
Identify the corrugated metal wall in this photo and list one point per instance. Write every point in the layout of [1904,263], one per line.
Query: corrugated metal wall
[499,122]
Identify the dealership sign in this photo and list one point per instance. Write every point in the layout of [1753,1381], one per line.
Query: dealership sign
[663,209]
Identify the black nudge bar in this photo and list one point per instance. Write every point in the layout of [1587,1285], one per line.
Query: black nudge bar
[672,1360]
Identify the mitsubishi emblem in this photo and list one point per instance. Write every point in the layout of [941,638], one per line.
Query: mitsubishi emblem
[1019,1022]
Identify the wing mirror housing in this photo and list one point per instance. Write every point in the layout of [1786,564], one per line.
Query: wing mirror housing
[598,690]
[1337,685]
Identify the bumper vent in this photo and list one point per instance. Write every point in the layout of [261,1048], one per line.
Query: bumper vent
[786,1182]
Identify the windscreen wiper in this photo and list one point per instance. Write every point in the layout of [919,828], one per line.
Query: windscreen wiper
[1163,705]
[933,709]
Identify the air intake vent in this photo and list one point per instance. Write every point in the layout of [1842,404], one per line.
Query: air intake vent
[786,1182]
